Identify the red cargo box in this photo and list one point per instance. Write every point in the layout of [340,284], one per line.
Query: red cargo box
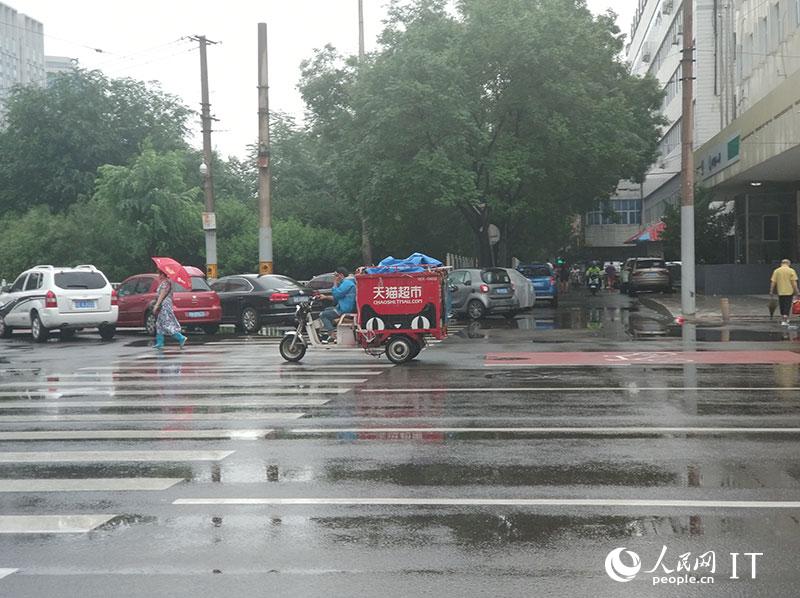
[401,302]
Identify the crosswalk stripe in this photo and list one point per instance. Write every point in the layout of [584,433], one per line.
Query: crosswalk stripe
[39,404]
[188,392]
[135,434]
[134,417]
[88,484]
[167,382]
[51,524]
[110,456]
[234,368]
[215,375]
[7,572]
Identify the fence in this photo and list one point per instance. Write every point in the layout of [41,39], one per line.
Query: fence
[733,279]
[460,261]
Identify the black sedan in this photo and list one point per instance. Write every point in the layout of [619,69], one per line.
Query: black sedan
[250,300]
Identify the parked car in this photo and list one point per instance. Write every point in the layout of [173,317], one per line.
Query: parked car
[251,300]
[544,280]
[47,298]
[476,293]
[523,289]
[196,307]
[322,283]
[648,274]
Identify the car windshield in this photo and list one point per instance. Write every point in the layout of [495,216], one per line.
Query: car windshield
[273,281]
[80,280]
[534,271]
[641,264]
[495,277]
[199,284]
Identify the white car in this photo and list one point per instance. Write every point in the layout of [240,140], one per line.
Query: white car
[46,298]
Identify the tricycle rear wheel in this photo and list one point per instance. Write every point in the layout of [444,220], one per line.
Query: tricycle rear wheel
[401,349]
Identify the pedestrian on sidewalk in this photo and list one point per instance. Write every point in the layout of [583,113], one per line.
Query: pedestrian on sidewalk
[784,280]
[166,322]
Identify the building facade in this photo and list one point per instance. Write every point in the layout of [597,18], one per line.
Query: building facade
[754,160]
[21,51]
[56,65]
[654,48]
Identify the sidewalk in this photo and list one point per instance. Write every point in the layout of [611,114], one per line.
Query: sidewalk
[742,307]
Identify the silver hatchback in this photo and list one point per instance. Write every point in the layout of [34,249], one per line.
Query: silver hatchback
[476,293]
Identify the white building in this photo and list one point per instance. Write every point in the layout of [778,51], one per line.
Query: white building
[654,48]
[21,51]
[56,65]
[755,159]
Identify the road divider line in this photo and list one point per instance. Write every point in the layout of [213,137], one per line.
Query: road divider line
[136,435]
[214,375]
[128,403]
[110,456]
[134,417]
[51,524]
[233,368]
[183,392]
[170,382]
[88,484]
[642,389]
[501,502]
[555,430]
[7,572]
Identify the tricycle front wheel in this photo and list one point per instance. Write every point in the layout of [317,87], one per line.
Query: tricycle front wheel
[401,349]
[292,348]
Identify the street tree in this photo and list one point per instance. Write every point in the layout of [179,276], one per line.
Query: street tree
[713,223]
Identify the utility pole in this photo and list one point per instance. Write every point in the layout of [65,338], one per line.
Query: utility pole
[687,164]
[209,217]
[264,170]
[366,241]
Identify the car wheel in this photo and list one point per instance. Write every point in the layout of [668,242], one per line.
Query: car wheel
[67,334]
[107,331]
[475,309]
[150,322]
[39,333]
[400,349]
[249,320]
[211,329]
[289,352]
[5,331]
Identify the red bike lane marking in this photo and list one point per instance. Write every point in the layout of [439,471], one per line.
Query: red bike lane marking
[534,358]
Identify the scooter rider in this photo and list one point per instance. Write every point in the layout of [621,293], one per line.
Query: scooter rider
[344,295]
[593,270]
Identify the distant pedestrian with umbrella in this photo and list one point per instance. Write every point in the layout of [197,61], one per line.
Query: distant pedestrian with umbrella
[166,322]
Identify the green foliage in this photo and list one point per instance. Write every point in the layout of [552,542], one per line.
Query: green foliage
[303,250]
[712,224]
[57,136]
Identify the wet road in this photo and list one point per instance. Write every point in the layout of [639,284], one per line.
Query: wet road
[475,471]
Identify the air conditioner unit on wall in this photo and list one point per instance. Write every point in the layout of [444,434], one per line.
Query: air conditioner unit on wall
[666,8]
[647,52]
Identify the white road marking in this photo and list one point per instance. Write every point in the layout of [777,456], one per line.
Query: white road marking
[87,376]
[178,391]
[88,484]
[557,430]
[233,368]
[51,524]
[7,572]
[133,417]
[136,434]
[502,502]
[110,456]
[187,382]
[640,389]
[40,404]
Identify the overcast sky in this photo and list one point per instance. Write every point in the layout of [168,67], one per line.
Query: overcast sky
[142,40]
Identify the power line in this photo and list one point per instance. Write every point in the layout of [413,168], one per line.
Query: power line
[61,39]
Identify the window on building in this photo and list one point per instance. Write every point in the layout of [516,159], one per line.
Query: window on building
[763,46]
[775,29]
[617,211]
[797,12]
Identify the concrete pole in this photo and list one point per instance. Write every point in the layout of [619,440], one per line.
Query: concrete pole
[264,170]
[687,165]
[361,29]
[209,218]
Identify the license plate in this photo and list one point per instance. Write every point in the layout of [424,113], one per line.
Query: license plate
[298,300]
[502,291]
[198,314]
[85,304]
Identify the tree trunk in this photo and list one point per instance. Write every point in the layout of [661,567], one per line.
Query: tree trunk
[366,242]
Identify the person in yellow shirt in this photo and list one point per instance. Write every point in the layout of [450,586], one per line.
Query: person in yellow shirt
[784,280]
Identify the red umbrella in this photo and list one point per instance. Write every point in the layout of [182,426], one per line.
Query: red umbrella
[174,271]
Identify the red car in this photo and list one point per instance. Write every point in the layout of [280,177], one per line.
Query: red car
[198,307]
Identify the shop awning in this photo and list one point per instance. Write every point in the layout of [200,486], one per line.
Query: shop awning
[650,233]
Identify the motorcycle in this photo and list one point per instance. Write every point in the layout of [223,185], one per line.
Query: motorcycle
[594,283]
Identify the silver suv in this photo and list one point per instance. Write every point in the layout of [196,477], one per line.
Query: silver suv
[45,298]
[476,293]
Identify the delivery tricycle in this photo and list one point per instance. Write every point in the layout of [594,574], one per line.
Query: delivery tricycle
[396,311]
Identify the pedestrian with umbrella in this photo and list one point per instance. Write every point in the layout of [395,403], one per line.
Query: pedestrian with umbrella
[166,323]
